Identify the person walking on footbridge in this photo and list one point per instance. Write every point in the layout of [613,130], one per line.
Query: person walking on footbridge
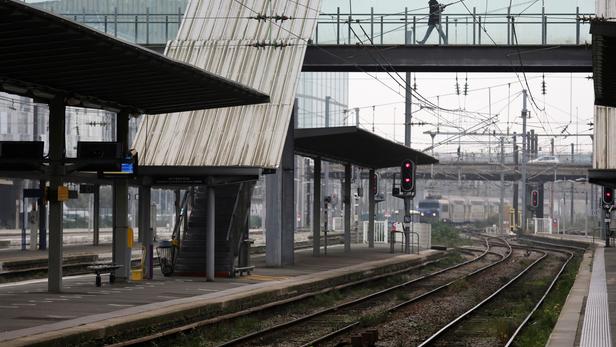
[434,21]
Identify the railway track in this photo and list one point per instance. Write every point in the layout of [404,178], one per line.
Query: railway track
[466,329]
[487,252]
[326,324]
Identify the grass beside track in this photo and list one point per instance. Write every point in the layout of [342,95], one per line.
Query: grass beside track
[446,235]
[539,328]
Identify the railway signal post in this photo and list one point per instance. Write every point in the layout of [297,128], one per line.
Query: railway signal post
[534,202]
[406,191]
[607,202]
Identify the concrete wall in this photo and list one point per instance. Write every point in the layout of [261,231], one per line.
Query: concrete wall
[604,146]
[605,8]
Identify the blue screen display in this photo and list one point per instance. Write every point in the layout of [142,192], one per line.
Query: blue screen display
[127,168]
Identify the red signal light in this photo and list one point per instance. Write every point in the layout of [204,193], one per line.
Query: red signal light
[407,174]
[534,198]
[608,195]
[375,184]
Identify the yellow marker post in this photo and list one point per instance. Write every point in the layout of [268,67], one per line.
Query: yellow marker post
[62,193]
[130,237]
[135,274]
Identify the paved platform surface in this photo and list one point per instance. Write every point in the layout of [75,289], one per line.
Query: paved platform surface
[15,255]
[610,274]
[596,326]
[27,309]
[588,318]
[567,329]
[578,238]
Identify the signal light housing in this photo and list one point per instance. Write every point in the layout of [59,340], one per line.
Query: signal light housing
[375,184]
[608,196]
[534,199]
[407,176]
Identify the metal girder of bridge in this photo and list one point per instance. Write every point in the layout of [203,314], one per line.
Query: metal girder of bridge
[491,172]
[452,58]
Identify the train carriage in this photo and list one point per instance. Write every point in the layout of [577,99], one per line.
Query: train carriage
[458,210]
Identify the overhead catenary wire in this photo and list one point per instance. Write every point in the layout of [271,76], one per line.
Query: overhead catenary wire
[419,97]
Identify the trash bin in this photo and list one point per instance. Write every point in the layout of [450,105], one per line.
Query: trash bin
[165,253]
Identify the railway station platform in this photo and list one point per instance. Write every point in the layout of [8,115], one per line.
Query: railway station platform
[83,312]
[588,317]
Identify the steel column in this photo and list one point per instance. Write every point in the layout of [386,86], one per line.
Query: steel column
[57,143]
[371,208]
[524,161]
[121,254]
[501,206]
[145,228]
[347,207]
[407,110]
[96,215]
[516,187]
[42,218]
[316,209]
[280,206]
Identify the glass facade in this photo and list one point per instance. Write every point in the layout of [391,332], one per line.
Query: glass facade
[315,91]
[157,21]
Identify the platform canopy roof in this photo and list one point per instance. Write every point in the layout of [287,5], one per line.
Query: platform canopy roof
[44,56]
[356,146]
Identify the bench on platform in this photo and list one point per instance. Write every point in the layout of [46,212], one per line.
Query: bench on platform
[99,269]
[242,270]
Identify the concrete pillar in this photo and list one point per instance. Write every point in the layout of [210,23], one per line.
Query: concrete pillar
[316,209]
[273,220]
[210,233]
[121,253]
[371,208]
[541,199]
[145,199]
[280,208]
[347,207]
[96,214]
[57,143]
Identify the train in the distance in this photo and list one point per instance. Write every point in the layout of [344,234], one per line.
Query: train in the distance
[457,210]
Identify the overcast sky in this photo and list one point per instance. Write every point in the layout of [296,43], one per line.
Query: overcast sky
[567,106]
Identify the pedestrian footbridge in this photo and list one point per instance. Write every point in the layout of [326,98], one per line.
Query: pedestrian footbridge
[501,41]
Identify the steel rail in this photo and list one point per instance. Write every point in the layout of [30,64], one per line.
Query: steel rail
[545,294]
[330,335]
[419,297]
[296,321]
[554,244]
[457,320]
[209,321]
